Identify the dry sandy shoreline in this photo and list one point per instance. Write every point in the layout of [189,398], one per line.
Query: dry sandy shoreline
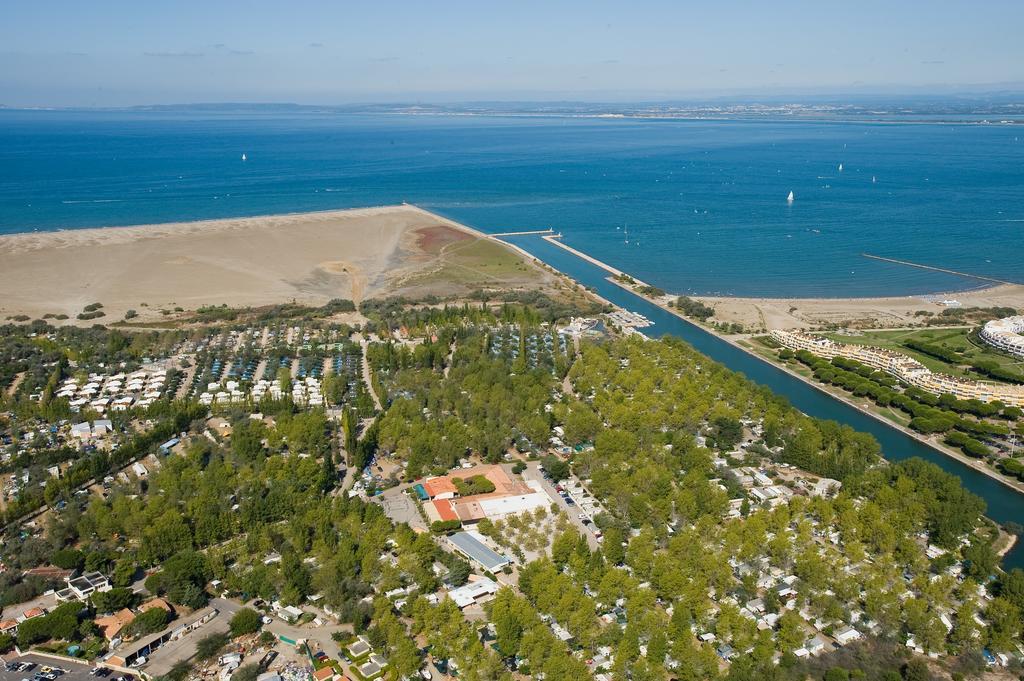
[252,261]
[890,312]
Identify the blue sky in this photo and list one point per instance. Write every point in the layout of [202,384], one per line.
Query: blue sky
[105,52]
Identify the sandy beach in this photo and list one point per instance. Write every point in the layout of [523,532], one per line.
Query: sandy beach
[307,257]
[893,312]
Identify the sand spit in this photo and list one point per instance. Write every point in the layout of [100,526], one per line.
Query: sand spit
[306,257]
[892,312]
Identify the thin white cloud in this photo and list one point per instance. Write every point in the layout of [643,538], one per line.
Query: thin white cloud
[174,55]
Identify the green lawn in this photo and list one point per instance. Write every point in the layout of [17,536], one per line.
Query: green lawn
[954,339]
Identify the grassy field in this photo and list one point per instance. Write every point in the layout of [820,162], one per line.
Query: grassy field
[466,265]
[953,339]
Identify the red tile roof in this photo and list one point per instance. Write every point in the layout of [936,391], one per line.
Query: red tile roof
[324,673]
[444,509]
[441,485]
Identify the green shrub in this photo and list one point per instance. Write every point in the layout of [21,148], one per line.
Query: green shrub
[444,526]
[245,621]
[476,484]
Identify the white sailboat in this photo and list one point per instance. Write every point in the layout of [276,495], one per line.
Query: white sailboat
[243,157]
[840,167]
[873,179]
[790,198]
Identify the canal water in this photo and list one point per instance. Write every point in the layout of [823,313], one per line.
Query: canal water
[1004,504]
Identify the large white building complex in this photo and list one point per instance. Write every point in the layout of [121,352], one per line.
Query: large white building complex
[905,368]
[1006,334]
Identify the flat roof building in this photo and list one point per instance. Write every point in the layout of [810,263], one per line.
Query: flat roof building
[472,547]
[473,592]
[80,588]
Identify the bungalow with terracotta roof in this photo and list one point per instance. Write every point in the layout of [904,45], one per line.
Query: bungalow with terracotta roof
[325,673]
[440,488]
[111,625]
[156,603]
[31,613]
[49,572]
[9,627]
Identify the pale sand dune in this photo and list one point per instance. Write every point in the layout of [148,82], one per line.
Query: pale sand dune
[310,257]
[894,312]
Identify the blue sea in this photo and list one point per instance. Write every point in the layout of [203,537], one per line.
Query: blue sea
[704,202]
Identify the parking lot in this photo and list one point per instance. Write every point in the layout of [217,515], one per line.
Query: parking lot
[70,671]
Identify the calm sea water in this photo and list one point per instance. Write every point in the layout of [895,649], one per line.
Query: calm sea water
[704,202]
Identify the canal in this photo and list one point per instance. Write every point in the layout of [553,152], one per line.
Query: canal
[1004,504]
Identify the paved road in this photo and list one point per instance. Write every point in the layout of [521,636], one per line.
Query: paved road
[46,602]
[169,654]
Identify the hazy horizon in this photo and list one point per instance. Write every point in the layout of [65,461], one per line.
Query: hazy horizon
[115,53]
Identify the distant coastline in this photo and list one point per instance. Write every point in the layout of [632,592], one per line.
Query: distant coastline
[982,109]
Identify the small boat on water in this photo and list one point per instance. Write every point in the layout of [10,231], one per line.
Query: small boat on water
[243,157]
[873,179]
[840,167]
[790,198]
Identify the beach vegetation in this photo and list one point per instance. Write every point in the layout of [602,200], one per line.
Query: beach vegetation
[694,308]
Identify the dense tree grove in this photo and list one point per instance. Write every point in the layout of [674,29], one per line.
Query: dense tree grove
[440,412]
[668,442]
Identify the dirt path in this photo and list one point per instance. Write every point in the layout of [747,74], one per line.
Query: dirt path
[448,359]
[367,376]
[13,387]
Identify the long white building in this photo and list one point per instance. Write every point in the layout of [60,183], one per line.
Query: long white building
[1006,334]
[906,369]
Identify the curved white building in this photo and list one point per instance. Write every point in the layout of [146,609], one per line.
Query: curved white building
[1006,334]
[905,368]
